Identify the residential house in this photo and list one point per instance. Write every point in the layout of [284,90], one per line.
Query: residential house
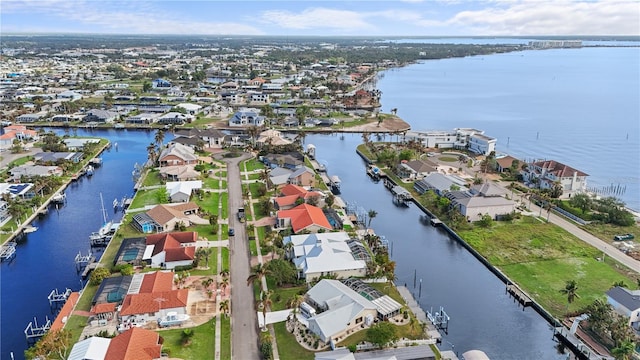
[279,176]
[180,191]
[135,344]
[475,207]
[459,138]
[100,116]
[93,348]
[339,310]
[69,95]
[290,160]
[303,217]
[272,137]
[77,144]
[626,303]
[191,109]
[247,117]
[503,163]
[211,138]
[164,217]
[174,118]
[303,176]
[179,173]
[316,255]
[177,154]
[416,169]
[47,158]
[168,250]
[35,170]
[259,98]
[143,118]
[545,173]
[30,118]
[21,190]
[291,195]
[160,84]
[439,183]
[4,213]
[21,132]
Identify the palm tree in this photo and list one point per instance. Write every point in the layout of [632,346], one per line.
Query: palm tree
[224,283]
[224,273]
[372,214]
[570,289]
[224,307]
[265,302]
[207,282]
[624,351]
[159,138]
[151,151]
[257,273]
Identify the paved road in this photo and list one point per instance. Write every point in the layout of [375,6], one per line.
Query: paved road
[603,246]
[244,324]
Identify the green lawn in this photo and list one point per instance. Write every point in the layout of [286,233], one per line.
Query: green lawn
[152,178]
[542,257]
[225,258]
[282,295]
[448,158]
[211,183]
[144,197]
[225,338]
[252,248]
[255,176]
[288,347]
[202,343]
[253,187]
[76,324]
[252,164]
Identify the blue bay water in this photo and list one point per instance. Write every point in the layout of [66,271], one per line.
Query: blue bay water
[577,106]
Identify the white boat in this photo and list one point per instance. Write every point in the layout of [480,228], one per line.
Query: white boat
[59,198]
[89,170]
[172,318]
[29,229]
[106,231]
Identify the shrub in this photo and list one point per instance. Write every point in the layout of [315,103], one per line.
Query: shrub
[182,268]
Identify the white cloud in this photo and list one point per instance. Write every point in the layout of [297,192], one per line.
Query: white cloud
[316,18]
[553,18]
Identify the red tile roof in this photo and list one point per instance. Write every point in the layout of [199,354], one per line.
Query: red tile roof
[558,169]
[291,189]
[171,243]
[103,308]
[157,281]
[305,215]
[148,303]
[65,312]
[134,344]
[291,193]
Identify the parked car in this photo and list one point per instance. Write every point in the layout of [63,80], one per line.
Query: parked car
[231,232]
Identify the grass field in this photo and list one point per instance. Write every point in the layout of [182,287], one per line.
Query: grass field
[252,164]
[542,257]
[202,343]
[288,347]
[225,338]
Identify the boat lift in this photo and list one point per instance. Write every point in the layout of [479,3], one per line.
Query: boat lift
[33,331]
[439,319]
[56,297]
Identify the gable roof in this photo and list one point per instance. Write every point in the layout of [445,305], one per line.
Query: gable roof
[625,297]
[157,281]
[92,348]
[305,215]
[181,151]
[134,344]
[558,169]
[323,252]
[162,213]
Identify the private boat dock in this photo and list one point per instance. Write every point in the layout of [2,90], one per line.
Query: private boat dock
[412,304]
[519,295]
[400,194]
[8,251]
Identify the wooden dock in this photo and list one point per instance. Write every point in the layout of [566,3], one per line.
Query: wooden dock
[415,308]
[435,222]
[519,295]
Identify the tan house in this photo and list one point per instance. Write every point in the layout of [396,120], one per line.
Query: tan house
[164,218]
[177,154]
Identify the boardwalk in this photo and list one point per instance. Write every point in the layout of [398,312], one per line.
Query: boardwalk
[413,305]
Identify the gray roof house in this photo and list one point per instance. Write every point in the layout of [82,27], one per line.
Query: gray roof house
[340,309]
[417,169]
[101,116]
[627,303]
[439,183]
[475,207]
[247,117]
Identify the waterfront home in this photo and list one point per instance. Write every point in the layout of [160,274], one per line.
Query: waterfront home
[179,173]
[334,253]
[134,344]
[339,310]
[292,195]
[180,191]
[140,305]
[290,160]
[35,170]
[177,154]
[247,117]
[93,348]
[77,144]
[21,190]
[545,173]
[168,250]
[626,303]
[174,118]
[475,207]
[504,163]
[48,158]
[19,132]
[160,84]
[279,176]
[303,176]
[100,116]
[144,118]
[271,137]
[303,217]
[191,109]
[416,169]
[30,118]
[439,183]
[459,138]
[164,217]
[132,250]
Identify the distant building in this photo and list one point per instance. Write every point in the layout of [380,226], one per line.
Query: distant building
[247,117]
[544,173]
[460,138]
[626,303]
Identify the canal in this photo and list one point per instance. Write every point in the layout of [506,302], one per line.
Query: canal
[45,261]
[482,315]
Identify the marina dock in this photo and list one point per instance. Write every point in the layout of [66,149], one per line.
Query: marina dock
[415,308]
[519,295]
[8,251]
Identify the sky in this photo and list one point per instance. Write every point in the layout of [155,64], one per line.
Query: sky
[324,18]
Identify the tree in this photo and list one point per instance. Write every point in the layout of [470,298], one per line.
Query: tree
[224,307]
[162,195]
[570,289]
[98,275]
[265,302]
[146,86]
[257,273]
[382,333]
[53,345]
[485,221]
[282,271]
[159,138]
[206,282]
[624,351]
[224,273]
[372,214]
[152,154]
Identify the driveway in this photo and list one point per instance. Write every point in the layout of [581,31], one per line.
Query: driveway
[244,324]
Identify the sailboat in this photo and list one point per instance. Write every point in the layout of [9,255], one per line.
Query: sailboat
[106,232]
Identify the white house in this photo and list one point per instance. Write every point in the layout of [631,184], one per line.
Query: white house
[247,117]
[458,138]
[626,303]
[168,250]
[329,253]
[547,172]
[93,348]
[143,118]
[180,191]
[191,109]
